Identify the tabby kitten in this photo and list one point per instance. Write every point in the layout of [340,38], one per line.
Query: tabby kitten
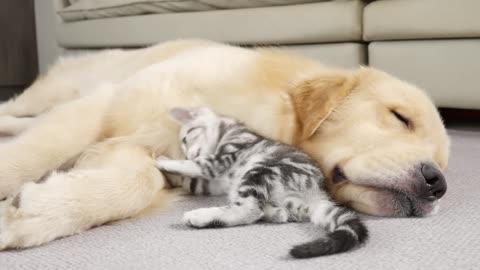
[265,180]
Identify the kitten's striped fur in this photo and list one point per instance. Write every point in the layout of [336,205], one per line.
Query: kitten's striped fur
[264,179]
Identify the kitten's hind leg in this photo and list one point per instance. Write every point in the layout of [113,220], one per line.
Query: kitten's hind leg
[275,214]
[243,211]
[204,187]
[196,186]
[298,210]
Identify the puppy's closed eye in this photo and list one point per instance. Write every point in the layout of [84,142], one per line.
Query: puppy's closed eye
[405,121]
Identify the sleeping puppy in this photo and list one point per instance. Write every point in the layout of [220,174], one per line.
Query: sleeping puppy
[104,116]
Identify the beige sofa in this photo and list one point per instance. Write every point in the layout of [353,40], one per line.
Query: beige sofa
[433,43]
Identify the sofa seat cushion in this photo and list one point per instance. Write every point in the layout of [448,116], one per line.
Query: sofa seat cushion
[421,19]
[324,22]
[97,9]
[446,69]
[346,55]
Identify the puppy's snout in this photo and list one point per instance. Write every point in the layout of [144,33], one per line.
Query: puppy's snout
[436,186]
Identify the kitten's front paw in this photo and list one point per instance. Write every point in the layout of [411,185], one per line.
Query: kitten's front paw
[160,161]
[204,218]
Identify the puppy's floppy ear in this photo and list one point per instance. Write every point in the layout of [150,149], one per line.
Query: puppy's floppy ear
[314,100]
[181,115]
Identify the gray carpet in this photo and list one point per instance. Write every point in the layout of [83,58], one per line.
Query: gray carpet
[450,240]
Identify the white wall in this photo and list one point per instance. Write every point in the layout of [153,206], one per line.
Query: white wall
[46,19]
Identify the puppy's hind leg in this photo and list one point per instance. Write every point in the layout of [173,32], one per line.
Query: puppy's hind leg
[116,182]
[10,125]
[41,96]
[55,138]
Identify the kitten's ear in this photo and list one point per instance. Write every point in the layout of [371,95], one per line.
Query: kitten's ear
[181,115]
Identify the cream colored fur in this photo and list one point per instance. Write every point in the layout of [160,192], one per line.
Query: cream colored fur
[103,117]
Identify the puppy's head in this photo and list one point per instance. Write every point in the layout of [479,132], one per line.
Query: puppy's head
[380,141]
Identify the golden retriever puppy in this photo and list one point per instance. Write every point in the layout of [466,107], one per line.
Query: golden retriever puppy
[103,119]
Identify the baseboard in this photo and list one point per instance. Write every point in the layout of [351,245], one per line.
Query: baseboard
[7,92]
[460,116]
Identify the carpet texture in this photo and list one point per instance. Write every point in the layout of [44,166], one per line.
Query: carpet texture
[449,240]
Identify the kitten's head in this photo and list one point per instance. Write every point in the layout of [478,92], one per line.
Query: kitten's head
[199,132]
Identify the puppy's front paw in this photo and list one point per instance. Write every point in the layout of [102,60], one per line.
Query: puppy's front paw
[204,218]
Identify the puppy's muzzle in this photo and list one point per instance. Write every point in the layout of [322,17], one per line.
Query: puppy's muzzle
[418,197]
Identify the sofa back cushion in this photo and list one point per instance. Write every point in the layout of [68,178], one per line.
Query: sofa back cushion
[97,9]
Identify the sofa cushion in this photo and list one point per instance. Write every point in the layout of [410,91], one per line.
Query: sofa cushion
[421,19]
[446,69]
[96,9]
[347,55]
[325,22]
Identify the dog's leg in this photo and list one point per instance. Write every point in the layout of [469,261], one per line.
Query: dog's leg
[57,137]
[116,182]
[10,125]
[41,96]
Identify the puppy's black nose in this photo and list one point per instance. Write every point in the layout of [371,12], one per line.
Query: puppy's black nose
[435,181]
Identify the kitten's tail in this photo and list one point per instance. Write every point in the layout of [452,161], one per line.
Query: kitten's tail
[345,231]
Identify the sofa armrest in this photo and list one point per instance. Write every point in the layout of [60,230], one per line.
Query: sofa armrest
[59,5]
